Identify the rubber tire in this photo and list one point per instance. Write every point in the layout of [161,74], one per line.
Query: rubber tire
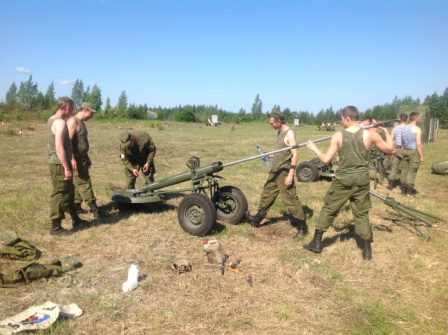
[196,214]
[236,205]
[306,172]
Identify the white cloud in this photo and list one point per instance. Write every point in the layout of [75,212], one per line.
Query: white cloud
[22,69]
[66,82]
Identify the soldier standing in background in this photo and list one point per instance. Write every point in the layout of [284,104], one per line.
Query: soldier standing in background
[398,156]
[411,137]
[61,172]
[81,161]
[137,151]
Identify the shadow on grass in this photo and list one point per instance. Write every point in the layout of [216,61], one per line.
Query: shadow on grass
[125,211]
[309,213]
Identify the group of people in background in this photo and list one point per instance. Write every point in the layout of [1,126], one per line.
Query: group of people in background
[409,153]
[69,164]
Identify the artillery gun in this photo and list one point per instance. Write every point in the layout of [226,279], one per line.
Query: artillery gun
[198,211]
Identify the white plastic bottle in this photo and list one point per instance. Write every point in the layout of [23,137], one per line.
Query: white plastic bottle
[265,159]
[132,281]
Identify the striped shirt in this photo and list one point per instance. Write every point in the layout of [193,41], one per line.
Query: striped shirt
[397,135]
[409,139]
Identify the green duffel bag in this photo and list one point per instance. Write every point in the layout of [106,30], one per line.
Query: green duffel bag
[440,167]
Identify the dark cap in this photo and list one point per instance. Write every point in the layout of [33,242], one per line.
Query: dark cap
[125,138]
[277,115]
[88,106]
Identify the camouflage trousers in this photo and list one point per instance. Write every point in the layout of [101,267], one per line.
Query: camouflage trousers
[82,181]
[148,175]
[274,186]
[338,194]
[410,165]
[61,200]
[395,163]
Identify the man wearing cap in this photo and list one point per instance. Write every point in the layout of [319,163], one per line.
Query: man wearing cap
[281,178]
[137,151]
[80,159]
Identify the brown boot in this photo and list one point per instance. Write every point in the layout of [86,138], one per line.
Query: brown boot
[56,228]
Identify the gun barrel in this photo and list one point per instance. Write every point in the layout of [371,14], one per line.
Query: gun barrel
[182,177]
[297,146]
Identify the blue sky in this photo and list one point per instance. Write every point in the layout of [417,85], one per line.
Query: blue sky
[304,55]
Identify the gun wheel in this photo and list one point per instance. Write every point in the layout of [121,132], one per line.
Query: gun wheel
[306,172]
[196,214]
[231,204]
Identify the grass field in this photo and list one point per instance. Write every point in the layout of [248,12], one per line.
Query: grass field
[403,290]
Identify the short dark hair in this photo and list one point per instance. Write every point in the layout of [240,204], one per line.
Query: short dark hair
[403,117]
[351,112]
[414,115]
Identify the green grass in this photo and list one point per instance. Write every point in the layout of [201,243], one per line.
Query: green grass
[401,291]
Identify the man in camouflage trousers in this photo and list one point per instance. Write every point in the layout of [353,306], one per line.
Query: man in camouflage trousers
[80,160]
[61,172]
[352,181]
[411,137]
[137,151]
[281,178]
[398,156]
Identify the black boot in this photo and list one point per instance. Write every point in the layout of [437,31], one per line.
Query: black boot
[254,221]
[409,191]
[316,244]
[76,220]
[391,185]
[367,250]
[403,190]
[97,213]
[302,230]
[79,209]
[56,228]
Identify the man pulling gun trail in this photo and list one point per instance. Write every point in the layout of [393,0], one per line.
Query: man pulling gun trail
[352,181]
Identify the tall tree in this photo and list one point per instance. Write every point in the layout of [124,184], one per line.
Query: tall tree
[49,98]
[257,108]
[27,93]
[78,93]
[95,97]
[122,101]
[11,95]
[107,108]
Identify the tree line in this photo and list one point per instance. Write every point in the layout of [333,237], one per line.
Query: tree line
[28,97]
